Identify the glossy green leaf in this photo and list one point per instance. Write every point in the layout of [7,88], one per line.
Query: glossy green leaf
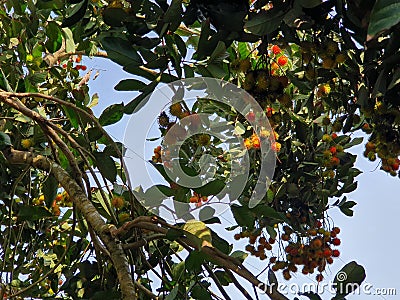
[384,15]
[198,229]
[219,243]
[130,85]
[138,102]
[75,14]
[243,215]
[346,208]
[211,188]
[348,279]
[54,35]
[194,261]
[114,16]
[240,255]
[106,166]
[173,11]
[121,51]
[69,40]
[112,114]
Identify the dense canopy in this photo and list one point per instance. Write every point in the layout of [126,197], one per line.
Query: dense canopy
[71,227]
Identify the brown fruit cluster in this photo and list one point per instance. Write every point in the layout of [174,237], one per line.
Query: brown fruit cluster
[313,252]
[258,243]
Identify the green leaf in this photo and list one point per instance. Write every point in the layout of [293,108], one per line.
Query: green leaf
[223,277]
[130,85]
[243,50]
[94,134]
[206,213]
[349,188]
[50,187]
[138,102]
[178,270]
[33,213]
[243,215]
[112,114]
[200,291]
[181,45]
[348,279]
[384,15]
[211,188]
[72,116]
[194,261]
[106,166]
[174,11]
[97,197]
[346,208]
[219,53]
[121,51]
[54,35]
[69,40]
[4,141]
[240,255]
[267,211]
[198,229]
[76,14]
[114,16]
[264,23]
[219,243]
[354,142]
[173,294]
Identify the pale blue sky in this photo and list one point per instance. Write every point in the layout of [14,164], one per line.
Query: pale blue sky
[369,237]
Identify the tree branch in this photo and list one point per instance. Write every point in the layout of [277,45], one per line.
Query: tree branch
[221,259]
[90,213]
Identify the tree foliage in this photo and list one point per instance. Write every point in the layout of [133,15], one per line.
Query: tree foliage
[321,71]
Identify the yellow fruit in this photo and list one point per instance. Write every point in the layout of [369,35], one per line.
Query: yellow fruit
[26,143]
